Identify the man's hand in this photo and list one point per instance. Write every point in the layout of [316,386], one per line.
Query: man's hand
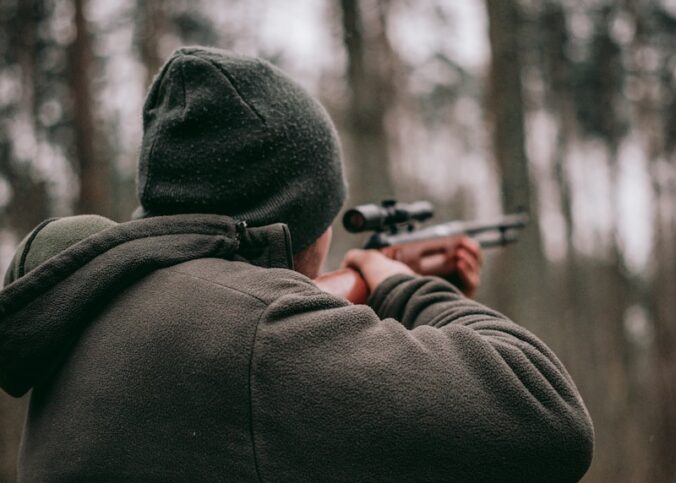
[460,265]
[464,261]
[374,266]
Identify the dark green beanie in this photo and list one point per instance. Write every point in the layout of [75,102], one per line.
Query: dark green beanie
[229,134]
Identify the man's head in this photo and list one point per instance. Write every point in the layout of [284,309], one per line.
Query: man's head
[230,134]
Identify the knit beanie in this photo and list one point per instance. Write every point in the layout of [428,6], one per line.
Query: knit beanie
[229,134]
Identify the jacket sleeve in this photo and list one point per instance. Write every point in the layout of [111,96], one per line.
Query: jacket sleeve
[426,385]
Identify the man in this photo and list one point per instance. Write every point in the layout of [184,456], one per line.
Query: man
[183,346]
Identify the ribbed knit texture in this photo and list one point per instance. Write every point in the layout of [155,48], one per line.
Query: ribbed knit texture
[230,134]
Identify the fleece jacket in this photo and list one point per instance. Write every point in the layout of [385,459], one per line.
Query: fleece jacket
[185,348]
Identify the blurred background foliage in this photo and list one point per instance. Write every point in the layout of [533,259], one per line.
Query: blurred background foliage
[563,107]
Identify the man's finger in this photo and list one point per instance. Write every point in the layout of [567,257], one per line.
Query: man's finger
[468,276]
[469,258]
[471,246]
[353,258]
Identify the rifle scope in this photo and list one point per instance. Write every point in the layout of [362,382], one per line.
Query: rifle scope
[387,216]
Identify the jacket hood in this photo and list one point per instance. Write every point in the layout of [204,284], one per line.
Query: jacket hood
[60,281]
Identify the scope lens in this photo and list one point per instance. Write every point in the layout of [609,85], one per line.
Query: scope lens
[354,221]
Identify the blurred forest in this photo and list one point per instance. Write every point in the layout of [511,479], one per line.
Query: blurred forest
[564,107]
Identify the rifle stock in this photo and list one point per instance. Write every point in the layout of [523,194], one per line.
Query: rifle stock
[345,283]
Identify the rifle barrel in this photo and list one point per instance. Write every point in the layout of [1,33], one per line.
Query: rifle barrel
[505,227]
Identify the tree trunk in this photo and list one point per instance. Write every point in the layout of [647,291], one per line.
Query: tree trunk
[369,76]
[27,207]
[522,267]
[663,307]
[92,169]
[150,28]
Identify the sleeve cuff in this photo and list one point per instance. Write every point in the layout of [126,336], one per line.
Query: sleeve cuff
[378,297]
[393,296]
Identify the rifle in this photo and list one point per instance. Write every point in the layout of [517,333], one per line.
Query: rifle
[396,234]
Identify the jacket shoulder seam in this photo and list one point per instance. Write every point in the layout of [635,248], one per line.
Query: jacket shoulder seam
[251,400]
[251,358]
[218,284]
[29,243]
